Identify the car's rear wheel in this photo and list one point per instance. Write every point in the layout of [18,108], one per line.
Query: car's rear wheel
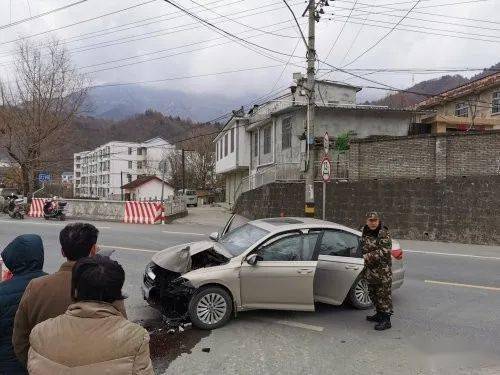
[210,308]
[359,296]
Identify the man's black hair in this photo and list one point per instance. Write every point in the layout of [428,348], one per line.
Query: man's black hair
[97,278]
[77,240]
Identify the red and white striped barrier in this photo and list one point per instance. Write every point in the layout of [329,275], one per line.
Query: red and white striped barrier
[36,207]
[143,212]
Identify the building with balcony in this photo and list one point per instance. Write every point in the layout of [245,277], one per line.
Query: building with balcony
[472,106]
[102,172]
[269,142]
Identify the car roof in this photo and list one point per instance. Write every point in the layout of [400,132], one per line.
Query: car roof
[280,224]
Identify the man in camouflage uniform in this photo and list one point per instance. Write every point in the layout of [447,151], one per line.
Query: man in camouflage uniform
[376,245]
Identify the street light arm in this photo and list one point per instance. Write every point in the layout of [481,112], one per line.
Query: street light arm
[297,22]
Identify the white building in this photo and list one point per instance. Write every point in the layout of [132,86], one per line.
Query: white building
[147,188]
[102,172]
[269,142]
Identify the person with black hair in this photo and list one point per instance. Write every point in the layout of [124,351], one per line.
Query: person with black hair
[50,296]
[92,337]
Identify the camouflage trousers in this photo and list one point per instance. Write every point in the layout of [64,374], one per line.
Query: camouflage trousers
[380,294]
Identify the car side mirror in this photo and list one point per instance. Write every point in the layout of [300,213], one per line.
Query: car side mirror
[214,236]
[253,259]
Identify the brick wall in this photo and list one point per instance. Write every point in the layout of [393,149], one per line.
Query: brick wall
[425,156]
[457,209]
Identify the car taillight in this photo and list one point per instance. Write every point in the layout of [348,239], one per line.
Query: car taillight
[397,253]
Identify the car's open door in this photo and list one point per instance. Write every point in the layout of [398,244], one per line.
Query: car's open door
[280,274]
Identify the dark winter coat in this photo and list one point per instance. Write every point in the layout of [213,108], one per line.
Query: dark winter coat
[24,258]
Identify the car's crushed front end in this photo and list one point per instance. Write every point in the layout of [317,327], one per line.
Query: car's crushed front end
[165,289]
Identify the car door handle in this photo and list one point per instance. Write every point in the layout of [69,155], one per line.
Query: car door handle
[351,267]
[304,271]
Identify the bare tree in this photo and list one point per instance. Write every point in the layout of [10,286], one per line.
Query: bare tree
[199,161]
[38,106]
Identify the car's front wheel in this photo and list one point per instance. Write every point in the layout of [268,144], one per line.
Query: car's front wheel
[210,308]
[359,296]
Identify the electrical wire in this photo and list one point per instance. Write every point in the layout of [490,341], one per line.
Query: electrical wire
[297,23]
[384,36]
[2,27]
[341,31]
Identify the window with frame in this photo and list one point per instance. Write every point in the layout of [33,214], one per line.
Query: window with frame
[225,144]
[232,139]
[339,243]
[495,103]
[139,150]
[255,144]
[217,151]
[139,165]
[286,133]
[130,150]
[461,109]
[129,177]
[267,140]
[130,164]
[289,247]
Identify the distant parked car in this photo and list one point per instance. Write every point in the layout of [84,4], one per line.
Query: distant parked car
[278,263]
[189,197]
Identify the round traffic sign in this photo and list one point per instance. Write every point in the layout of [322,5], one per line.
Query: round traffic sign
[326,169]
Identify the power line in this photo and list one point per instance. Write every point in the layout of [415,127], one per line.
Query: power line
[186,77]
[383,37]
[296,22]
[341,31]
[2,27]
[78,23]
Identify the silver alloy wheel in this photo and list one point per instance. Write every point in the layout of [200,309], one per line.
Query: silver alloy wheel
[361,293]
[211,308]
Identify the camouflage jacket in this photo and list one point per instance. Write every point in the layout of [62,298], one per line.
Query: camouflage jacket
[377,255]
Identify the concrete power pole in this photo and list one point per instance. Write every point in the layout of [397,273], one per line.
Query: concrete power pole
[311,80]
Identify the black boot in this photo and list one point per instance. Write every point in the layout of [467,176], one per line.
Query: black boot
[377,317]
[385,322]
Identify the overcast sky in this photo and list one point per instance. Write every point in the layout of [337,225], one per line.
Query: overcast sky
[157,26]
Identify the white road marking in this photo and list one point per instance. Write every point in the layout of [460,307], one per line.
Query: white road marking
[452,254]
[298,325]
[190,233]
[128,248]
[464,285]
[45,223]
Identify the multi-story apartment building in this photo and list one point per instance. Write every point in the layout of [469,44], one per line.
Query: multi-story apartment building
[102,172]
[472,106]
[269,141]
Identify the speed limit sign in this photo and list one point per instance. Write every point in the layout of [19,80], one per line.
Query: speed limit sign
[326,169]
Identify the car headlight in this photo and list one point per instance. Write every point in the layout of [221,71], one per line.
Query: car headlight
[149,271]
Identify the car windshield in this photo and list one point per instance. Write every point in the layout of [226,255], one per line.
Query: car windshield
[241,238]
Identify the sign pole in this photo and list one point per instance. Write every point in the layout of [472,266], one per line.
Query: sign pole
[324,200]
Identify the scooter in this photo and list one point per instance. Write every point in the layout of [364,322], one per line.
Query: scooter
[16,209]
[56,213]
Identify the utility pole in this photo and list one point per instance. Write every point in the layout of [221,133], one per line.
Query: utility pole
[183,173]
[311,80]
[163,165]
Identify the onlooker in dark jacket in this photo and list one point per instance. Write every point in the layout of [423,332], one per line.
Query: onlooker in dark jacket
[50,296]
[92,337]
[24,258]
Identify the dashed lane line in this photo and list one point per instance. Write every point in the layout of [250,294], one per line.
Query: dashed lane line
[189,233]
[128,248]
[496,289]
[452,254]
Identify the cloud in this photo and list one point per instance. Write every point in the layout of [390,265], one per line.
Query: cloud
[122,36]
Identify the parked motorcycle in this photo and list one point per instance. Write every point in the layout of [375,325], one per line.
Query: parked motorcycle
[16,209]
[54,210]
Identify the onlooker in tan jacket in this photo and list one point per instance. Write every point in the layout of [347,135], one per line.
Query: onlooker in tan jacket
[92,337]
[49,296]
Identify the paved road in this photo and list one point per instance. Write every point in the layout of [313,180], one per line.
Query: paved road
[447,318]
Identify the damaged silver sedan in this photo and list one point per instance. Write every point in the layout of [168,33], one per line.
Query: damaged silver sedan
[277,263]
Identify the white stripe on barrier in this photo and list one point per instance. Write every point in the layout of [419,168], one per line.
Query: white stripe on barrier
[36,207]
[143,212]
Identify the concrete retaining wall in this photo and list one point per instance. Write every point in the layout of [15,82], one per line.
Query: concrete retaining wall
[457,209]
[84,209]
